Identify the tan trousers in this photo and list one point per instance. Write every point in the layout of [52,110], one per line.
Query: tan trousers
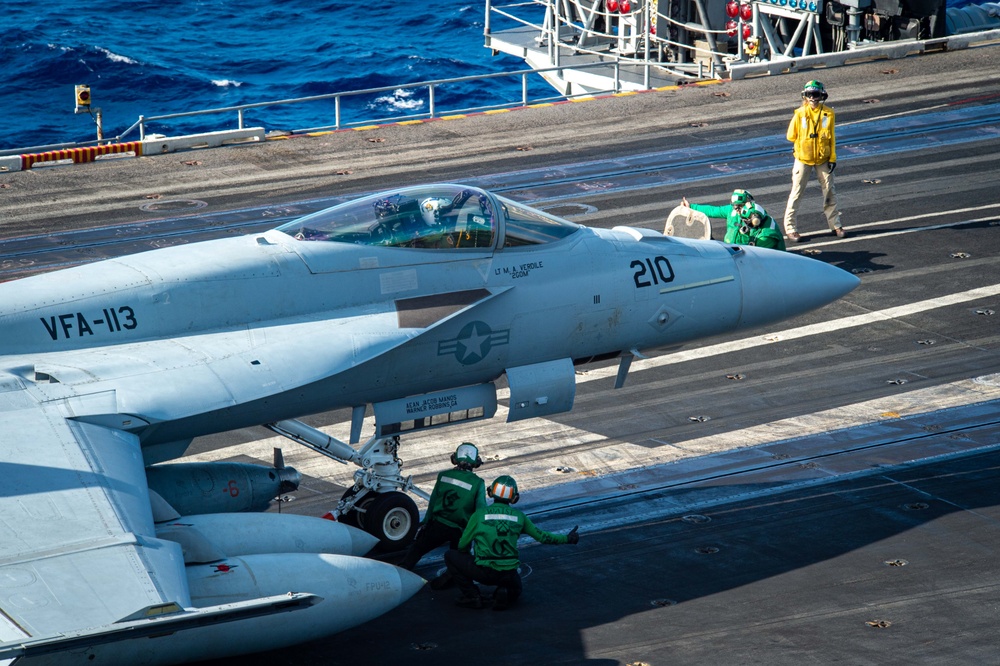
[800,178]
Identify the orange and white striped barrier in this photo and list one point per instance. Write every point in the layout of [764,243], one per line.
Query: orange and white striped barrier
[78,155]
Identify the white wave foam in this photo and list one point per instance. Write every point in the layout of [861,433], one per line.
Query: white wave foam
[402,100]
[114,57]
[226,83]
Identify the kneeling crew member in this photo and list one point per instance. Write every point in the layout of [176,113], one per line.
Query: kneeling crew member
[457,494]
[758,228]
[493,532]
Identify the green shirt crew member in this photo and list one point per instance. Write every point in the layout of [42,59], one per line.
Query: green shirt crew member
[492,533]
[457,494]
[758,228]
[730,213]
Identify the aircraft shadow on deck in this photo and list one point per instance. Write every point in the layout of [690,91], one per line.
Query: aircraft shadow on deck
[647,592]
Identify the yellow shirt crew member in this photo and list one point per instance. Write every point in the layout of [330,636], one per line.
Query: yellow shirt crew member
[812,132]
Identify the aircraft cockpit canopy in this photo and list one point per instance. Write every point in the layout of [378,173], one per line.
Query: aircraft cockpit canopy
[529,226]
[432,216]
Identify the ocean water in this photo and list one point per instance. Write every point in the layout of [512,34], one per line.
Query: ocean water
[155,57]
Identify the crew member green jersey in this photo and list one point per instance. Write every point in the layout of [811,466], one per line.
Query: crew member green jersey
[493,532]
[727,213]
[456,496]
[766,235]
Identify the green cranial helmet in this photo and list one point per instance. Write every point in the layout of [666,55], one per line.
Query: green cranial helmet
[814,90]
[740,198]
[753,214]
[504,489]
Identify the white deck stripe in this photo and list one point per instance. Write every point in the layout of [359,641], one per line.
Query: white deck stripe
[800,332]
[909,218]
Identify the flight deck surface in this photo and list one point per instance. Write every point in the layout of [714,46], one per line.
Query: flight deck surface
[820,491]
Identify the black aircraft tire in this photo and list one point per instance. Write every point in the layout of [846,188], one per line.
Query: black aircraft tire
[393,518]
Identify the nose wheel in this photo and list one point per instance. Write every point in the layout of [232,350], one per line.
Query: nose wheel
[375,503]
[390,517]
[393,518]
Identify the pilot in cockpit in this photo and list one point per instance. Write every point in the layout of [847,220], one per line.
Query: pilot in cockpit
[433,208]
[440,223]
[432,222]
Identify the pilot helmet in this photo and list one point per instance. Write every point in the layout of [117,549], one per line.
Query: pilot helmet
[753,214]
[740,198]
[430,209]
[466,455]
[504,489]
[814,90]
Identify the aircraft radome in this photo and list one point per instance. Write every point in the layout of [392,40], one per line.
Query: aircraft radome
[413,302]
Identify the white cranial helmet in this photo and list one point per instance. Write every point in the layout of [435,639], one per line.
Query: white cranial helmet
[430,209]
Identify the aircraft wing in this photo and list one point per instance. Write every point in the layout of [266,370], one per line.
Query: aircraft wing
[77,544]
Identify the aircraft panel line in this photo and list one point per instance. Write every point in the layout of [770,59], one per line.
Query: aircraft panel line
[695,285]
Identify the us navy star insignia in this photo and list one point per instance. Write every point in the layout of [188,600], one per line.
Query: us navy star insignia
[473,342]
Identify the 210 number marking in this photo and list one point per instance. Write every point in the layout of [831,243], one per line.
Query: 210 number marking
[652,271]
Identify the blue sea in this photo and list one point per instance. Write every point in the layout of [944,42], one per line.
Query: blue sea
[155,57]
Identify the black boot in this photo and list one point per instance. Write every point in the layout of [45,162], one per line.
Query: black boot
[443,582]
[469,601]
[501,599]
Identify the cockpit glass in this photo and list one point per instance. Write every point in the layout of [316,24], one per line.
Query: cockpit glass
[527,226]
[435,216]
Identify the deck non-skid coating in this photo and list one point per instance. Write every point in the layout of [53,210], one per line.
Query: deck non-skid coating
[862,571]
[544,188]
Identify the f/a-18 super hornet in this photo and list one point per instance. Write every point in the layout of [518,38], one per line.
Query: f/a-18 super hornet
[413,303]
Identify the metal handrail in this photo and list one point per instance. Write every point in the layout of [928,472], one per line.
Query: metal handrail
[432,112]
[554,19]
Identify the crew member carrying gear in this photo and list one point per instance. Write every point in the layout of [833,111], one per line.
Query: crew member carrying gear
[758,228]
[730,213]
[457,494]
[493,532]
[814,143]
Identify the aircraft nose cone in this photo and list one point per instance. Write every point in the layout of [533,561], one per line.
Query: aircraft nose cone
[361,541]
[779,285]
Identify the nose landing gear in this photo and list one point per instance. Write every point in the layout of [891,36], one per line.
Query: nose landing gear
[377,503]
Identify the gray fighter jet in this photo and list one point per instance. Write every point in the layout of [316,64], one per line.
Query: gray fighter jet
[413,302]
